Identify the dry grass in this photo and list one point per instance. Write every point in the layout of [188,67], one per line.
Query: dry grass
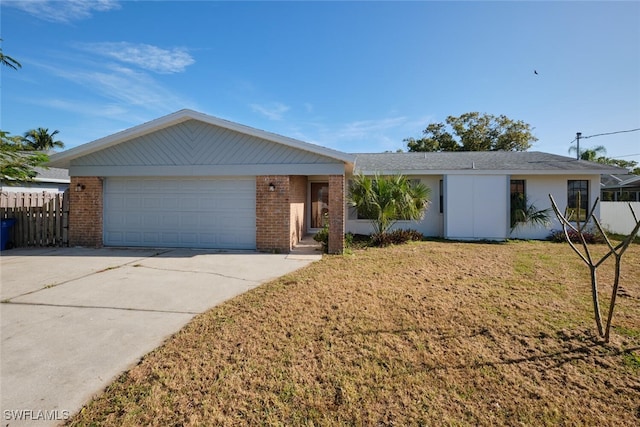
[431,333]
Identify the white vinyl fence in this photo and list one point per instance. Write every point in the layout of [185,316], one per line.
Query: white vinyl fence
[616,216]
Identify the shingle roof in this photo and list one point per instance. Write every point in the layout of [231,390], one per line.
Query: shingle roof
[63,158]
[619,181]
[52,175]
[526,161]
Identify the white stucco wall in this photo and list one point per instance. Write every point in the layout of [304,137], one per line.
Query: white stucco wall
[431,225]
[477,206]
[538,188]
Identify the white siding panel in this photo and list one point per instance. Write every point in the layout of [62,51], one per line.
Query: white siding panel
[196,143]
[476,207]
[180,212]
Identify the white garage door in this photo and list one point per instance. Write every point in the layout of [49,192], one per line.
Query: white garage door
[180,212]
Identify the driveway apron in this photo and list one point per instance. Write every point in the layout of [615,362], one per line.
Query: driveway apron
[73,319]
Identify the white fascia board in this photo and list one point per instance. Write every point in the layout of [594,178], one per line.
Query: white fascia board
[210,170]
[63,159]
[53,180]
[480,172]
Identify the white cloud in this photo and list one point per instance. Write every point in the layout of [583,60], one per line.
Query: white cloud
[128,86]
[147,57]
[121,86]
[360,136]
[82,107]
[363,128]
[274,111]
[63,11]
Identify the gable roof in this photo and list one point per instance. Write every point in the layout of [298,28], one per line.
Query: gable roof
[63,159]
[477,162]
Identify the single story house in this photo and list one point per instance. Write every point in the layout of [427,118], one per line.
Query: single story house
[620,188]
[48,180]
[192,180]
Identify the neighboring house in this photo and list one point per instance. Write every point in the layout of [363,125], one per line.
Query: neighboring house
[193,180]
[620,188]
[49,180]
[618,192]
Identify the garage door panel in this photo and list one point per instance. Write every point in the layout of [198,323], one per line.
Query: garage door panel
[115,237]
[190,221]
[189,239]
[169,221]
[180,212]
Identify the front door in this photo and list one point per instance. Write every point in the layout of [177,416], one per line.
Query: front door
[319,203]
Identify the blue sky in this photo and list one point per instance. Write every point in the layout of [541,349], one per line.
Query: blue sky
[353,76]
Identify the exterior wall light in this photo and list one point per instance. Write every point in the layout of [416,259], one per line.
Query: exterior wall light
[272,186]
[80,187]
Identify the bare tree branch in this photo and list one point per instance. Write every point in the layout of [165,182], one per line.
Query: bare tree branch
[616,252]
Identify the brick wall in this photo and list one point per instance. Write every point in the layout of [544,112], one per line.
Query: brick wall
[336,214]
[85,211]
[297,202]
[273,215]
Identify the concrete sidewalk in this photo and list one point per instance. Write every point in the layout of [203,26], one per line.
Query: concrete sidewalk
[73,319]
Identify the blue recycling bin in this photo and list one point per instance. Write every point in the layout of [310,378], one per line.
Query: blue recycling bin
[5,232]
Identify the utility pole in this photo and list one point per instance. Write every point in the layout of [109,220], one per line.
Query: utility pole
[578,135]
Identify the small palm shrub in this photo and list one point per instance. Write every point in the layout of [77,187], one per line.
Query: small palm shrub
[384,200]
[522,212]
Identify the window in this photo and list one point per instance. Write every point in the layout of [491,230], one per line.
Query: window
[518,201]
[577,192]
[517,188]
[319,203]
[441,199]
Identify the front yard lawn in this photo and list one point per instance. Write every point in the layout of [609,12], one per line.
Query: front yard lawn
[429,333]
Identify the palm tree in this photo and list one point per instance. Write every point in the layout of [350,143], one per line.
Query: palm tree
[41,140]
[590,154]
[9,61]
[15,164]
[387,199]
[522,212]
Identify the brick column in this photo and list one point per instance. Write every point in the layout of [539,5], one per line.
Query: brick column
[336,214]
[85,211]
[273,214]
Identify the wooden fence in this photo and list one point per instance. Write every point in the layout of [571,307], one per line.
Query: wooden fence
[42,219]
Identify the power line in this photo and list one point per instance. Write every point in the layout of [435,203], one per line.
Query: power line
[609,133]
[626,155]
[579,136]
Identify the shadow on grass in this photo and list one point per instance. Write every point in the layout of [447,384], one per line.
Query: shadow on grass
[561,357]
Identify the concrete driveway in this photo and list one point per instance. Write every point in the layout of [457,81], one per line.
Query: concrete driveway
[73,319]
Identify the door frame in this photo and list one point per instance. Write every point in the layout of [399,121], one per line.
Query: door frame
[310,201]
